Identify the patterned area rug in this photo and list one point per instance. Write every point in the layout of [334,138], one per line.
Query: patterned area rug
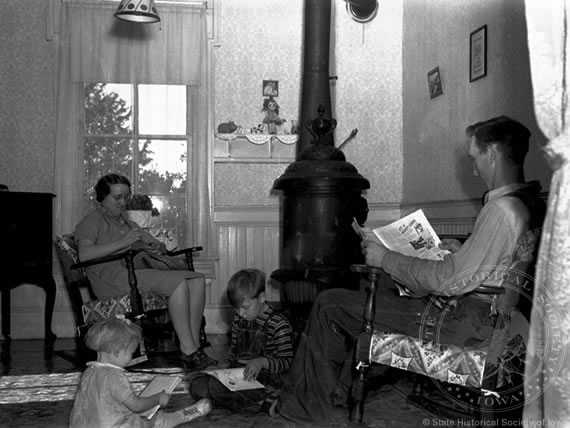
[62,386]
[46,400]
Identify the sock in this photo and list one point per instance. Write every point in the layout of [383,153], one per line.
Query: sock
[201,408]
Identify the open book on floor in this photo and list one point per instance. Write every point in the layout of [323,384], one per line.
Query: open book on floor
[233,379]
[158,384]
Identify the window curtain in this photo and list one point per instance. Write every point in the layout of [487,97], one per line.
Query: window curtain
[96,47]
[547,384]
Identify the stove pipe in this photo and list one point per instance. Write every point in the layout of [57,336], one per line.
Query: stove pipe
[321,191]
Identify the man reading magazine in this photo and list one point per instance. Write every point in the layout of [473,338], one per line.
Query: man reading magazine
[497,148]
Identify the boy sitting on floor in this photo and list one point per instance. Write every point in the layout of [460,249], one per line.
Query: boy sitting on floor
[261,340]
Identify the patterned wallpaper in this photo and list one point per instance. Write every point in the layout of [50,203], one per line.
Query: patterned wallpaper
[27,113]
[263,40]
[434,128]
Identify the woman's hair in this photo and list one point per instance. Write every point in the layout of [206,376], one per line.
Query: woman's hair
[103,186]
[112,335]
[246,283]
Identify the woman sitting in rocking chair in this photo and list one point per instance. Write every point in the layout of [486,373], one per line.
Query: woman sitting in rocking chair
[106,231]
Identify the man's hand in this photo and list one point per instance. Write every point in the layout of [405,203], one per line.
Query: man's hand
[253,368]
[374,252]
[451,245]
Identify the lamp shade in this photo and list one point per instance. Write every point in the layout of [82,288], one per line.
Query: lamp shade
[142,11]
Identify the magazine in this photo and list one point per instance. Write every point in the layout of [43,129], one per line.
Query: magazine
[233,379]
[156,385]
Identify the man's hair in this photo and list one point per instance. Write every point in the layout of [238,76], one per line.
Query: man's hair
[246,283]
[103,186]
[510,137]
[112,335]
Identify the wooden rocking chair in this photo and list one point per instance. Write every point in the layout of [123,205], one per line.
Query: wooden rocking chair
[89,309]
[491,376]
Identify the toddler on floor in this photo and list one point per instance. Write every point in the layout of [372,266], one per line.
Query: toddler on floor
[105,397]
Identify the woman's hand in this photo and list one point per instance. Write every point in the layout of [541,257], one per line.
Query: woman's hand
[253,367]
[452,245]
[374,252]
[132,236]
[154,247]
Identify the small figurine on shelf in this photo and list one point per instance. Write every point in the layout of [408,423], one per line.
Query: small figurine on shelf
[271,110]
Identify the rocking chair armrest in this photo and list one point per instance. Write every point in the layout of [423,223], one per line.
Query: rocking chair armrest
[185,250]
[110,258]
[489,289]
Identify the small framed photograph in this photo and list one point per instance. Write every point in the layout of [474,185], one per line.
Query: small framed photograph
[434,83]
[478,53]
[270,88]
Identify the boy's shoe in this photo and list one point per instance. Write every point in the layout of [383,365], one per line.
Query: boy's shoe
[196,410]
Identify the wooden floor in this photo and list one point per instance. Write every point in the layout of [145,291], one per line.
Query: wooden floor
[37,386]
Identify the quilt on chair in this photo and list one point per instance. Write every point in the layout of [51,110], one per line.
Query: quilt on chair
[449,363]
[101,309]
[452,363]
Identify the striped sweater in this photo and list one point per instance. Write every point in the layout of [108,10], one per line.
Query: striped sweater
[279,344]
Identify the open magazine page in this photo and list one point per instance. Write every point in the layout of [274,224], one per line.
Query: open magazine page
[413,236]
[233,379]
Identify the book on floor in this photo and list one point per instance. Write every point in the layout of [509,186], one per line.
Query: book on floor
[158,384]
[233,379]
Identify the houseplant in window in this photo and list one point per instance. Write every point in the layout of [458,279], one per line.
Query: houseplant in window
[140,209]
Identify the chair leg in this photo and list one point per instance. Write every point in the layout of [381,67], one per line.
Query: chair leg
[358,395]
[204,343]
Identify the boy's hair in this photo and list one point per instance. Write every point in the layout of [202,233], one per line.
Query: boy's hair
[112,335]
[246,283]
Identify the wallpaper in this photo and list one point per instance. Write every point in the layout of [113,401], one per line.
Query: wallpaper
[27,113]
[434,129]
[263,40]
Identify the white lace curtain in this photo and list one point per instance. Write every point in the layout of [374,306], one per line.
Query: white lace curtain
[547,384]
[96,47]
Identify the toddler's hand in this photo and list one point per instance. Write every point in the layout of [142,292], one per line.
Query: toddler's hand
[163,399]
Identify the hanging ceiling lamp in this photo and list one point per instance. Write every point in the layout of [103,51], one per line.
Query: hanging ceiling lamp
[142,11]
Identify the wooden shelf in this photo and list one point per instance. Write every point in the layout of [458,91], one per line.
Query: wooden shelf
[255,148]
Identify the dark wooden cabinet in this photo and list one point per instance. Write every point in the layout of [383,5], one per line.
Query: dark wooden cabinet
[26,250]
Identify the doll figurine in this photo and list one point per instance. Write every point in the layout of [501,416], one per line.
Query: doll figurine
[271,110]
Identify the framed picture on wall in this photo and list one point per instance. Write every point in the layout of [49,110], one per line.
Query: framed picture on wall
[478,53]
[434,83]
[270,88]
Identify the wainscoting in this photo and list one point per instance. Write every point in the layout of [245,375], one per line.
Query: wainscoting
[245,236]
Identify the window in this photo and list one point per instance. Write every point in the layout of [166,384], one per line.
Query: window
[140,131]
